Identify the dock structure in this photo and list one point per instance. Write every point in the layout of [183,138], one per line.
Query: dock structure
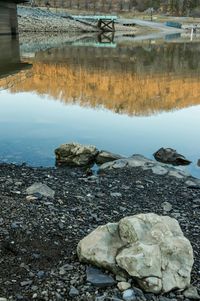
[8,16]
[104,23]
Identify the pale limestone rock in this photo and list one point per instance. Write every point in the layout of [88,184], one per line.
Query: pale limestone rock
[167,207]
[148,247]
[101,246]
[176,174]
[191,293]
[159,170]
[74,154]
[122,286]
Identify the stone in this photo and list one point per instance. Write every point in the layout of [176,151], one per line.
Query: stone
[40,274]
[42,189]
[176,174]
[167,207]
[73,292]
[100,247]
[98,278]
[133,161]
[159,170]
[191,293]
[26,283]
[150,248]
[190,183]
[129,295]
[139,294]
[104,157]
[170,156]
[122,286]
[120,278]
[74,154]
[116,194]
[162,298]
[120,164]
[198,163]
[31,198]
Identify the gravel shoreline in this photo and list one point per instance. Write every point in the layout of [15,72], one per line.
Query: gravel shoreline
[39,235]
[42,20]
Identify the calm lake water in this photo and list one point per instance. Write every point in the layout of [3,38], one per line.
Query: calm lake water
[121,95]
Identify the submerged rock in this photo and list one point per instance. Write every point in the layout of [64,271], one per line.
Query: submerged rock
[170,156]
[150,248]
[75,154]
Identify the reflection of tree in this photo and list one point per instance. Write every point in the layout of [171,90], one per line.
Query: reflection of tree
[121,91]
[132,80]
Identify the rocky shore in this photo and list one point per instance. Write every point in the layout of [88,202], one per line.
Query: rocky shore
[40,20]
[45,212]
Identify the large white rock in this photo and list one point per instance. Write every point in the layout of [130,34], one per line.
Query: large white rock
[101,246]
[75,154]
[150,248]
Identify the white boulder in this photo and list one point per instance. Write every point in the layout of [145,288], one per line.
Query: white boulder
[150,248]
[100,247]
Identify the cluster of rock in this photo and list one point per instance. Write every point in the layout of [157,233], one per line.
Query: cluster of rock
[75,154]
[149,248]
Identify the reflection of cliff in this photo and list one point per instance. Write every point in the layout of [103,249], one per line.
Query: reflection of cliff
[121,89]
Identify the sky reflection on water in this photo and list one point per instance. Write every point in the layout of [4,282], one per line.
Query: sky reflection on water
[134,98]
[31,127]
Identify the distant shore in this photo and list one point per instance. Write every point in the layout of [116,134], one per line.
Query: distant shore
[43,20]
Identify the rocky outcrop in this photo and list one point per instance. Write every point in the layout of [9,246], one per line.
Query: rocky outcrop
[170,156]
[150,248]
[74,154]
[104,157]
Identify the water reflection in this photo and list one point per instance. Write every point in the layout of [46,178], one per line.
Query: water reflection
[135,80]
[73,92]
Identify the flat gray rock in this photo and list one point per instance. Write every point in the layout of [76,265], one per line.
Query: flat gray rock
[98,278]
[159,170]
[42,189]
